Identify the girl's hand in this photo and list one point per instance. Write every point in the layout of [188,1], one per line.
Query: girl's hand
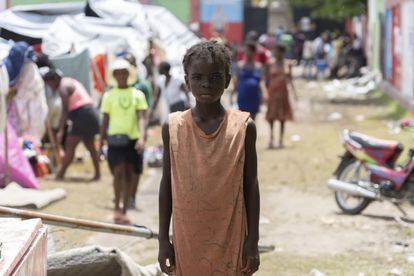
[140,146]
[251,258]
[166,252]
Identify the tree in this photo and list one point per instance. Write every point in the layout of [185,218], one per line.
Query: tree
[333,9]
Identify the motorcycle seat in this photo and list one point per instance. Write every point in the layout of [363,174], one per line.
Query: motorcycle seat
[368,141]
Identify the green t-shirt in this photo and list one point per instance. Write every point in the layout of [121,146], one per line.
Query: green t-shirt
[146,88]
[122,105]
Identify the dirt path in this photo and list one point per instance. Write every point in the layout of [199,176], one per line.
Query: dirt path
[298,215]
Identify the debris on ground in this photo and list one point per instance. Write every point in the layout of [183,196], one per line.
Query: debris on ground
[296,138]
[395,272]
[315,272]
[360,118]
[335,116]
[410,259]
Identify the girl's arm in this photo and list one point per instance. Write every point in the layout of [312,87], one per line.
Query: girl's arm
[252,201]
[166,250]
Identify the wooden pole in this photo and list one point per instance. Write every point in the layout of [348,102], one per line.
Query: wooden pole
[80,223]
[6,158]
[91,225]
[6,153]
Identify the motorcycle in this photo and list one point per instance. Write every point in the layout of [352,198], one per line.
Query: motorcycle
[368,172]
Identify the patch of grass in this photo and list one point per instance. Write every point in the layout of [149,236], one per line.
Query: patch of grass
[346,264]
[33,2]
[393,110]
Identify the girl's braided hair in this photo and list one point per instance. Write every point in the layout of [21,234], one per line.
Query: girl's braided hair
[210,49]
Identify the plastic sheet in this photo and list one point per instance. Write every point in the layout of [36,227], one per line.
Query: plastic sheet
[20,170]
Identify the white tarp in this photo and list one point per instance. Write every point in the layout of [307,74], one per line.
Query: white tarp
[123,12]
[26,23]
[149,21]
[4,88]
[95,34]
[122,23]
[171,32]
[3,5]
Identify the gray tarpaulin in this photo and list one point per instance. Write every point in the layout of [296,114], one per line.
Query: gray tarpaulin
[75,66]
[97,261]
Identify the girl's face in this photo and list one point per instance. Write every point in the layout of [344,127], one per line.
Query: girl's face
[207,79]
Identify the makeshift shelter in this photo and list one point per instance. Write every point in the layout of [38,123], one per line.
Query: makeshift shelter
[93,33]
[120,19]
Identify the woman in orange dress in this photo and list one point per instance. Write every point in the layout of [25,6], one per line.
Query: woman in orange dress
[277,98]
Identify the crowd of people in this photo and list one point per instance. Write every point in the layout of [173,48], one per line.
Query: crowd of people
[262,74]
[330,54]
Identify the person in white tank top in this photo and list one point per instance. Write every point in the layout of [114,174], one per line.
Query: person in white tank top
[171,89]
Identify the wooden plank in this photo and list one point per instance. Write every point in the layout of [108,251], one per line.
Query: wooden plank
[17,237]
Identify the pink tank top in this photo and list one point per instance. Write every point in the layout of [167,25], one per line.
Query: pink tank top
[79,97]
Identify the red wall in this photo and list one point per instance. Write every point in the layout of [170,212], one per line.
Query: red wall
[233,31]
[396,42]
[194,11]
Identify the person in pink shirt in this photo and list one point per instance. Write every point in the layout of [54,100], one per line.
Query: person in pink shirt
[78,108]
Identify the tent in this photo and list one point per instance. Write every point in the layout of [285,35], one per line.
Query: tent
[115,24]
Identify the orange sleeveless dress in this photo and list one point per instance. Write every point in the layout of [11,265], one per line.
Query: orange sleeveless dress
[209,216]
[278,103]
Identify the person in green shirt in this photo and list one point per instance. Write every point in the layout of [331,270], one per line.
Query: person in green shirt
[140,83]
[124,128]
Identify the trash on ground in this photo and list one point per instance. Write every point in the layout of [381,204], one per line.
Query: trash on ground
[395,272]
[153,156]
[335,116]
[360,118]
[264,220]
[410,259]
[295,138]
[315,272]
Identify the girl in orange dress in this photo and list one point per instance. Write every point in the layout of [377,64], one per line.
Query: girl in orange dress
[277,98]
[209,185]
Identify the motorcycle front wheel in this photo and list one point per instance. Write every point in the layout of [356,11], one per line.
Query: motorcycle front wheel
[351,171]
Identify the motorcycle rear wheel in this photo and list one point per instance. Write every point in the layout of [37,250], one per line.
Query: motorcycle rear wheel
[351,171]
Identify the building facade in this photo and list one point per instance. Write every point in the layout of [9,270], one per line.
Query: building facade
[391,47]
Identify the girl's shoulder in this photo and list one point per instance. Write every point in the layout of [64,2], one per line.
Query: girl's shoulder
[180,117]
[237,116]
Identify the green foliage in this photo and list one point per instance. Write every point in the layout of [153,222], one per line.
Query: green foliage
[32,2]
[333,9]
